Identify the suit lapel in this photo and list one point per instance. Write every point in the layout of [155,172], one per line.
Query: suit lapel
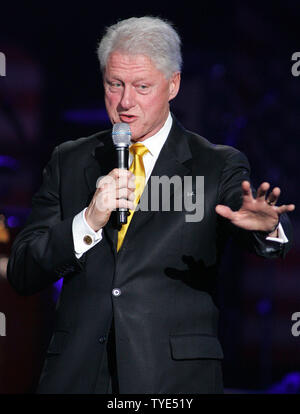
[102,161]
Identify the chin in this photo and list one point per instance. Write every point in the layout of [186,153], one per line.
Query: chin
[134,134]
[137,137]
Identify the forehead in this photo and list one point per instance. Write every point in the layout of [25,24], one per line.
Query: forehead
[128,65]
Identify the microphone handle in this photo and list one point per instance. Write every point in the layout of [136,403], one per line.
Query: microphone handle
[122,159]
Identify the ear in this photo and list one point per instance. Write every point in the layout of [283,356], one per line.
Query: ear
[174,84]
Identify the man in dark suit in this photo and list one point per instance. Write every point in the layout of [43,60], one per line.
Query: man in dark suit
[136,312]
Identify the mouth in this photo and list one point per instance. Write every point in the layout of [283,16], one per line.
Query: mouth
[127,118]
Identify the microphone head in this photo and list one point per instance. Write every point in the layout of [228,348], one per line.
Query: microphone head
[121,134]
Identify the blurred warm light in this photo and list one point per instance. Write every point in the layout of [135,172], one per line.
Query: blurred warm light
[3,266]
[4,233]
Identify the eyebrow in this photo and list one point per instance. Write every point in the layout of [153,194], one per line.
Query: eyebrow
[141,79]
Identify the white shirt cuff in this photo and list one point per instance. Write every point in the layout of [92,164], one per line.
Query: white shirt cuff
[84,237]
[281,236]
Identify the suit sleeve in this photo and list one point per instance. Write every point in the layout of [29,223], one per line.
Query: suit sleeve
[43,251]
[236,169]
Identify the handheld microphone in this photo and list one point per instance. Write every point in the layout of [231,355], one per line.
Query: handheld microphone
[121,136]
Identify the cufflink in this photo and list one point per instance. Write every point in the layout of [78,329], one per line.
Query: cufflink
[88,240]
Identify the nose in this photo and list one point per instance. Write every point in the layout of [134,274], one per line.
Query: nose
[127,100]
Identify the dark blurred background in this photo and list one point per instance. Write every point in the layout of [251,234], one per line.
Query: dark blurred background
[237,89]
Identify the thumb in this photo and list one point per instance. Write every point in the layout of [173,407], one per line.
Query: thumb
[224,211]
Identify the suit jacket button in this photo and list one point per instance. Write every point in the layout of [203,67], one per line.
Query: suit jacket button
[116,292]
[102,339]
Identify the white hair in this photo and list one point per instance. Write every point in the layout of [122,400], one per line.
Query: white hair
[150,36]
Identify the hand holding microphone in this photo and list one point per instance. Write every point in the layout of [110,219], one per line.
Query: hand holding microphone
[116,190]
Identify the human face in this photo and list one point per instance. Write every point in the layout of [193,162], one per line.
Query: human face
[137,93]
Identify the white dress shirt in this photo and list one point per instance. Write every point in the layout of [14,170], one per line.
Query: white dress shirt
[83,232]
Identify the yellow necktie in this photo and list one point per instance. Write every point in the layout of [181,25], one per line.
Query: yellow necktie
[138,150]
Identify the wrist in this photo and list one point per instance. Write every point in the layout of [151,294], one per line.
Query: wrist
[269,233]
[89,221]
[274,233]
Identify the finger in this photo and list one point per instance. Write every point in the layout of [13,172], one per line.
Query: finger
[122,203]
[262,191]
[116,179]
[125,193]
[105,189]
[285,208]
[224,211]
[131,183]
[106,203]
[273,196]
[120,172]
[246,189]
[106,182]
[125,182]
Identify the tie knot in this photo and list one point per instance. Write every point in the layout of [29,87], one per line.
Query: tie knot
[138,149]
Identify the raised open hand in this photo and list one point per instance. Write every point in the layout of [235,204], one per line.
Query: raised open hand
[256,214]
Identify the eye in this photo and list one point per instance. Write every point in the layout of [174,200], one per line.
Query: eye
[116,84]
[142,88]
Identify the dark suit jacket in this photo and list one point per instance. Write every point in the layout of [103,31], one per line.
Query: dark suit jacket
[165,318]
